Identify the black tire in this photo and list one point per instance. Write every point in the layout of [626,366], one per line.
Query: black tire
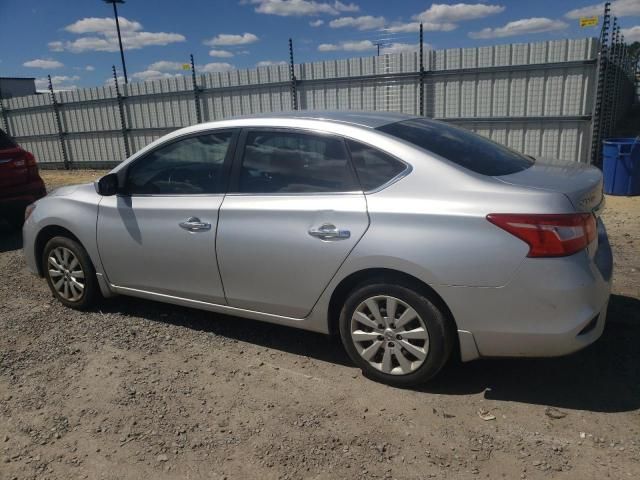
[90,292]
[438,326]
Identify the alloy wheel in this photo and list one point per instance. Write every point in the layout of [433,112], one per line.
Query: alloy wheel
[66,274]
[390,335]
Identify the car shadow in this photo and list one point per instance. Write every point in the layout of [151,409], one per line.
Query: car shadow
[605,377]
[10,238]
[277,337]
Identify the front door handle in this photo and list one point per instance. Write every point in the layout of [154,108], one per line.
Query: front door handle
[328,231]
[193,224]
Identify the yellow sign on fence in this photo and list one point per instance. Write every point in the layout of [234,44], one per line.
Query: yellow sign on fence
[588,21]
[186,66]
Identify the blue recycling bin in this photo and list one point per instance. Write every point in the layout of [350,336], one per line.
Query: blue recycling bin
[621,166]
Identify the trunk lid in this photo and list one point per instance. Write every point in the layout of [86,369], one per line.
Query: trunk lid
[581,184]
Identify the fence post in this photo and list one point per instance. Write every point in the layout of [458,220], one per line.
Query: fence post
[421,73]
[3,114]
[123,122]
[61,133]
[619,52]
[610,80]
[292,75]
[597,120]
[196,91]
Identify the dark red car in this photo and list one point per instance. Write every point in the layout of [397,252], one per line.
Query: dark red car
[20,182]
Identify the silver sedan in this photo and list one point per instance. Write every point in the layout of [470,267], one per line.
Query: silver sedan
[414,240]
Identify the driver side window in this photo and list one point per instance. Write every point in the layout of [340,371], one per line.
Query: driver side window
[189,166]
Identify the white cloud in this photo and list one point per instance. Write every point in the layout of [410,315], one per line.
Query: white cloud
[56,46]
[162,69]
[110,83]
[298,8]
[59,82]
[620,8]
[439,12]
[89,68]
[366,22]
[348,46]
[631,34]
[147,75]
[413,27]
[214,67]
[102,25]
[229,39]
[104,37]
[316,23]
[268,63]
[165,66]
[521,27]
[43,63]
[220,53]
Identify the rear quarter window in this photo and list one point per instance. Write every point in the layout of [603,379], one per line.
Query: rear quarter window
[460,146]
[374,167]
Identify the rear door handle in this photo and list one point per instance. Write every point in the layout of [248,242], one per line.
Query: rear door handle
[328,231]
[193,224]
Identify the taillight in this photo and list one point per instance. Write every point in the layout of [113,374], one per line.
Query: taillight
[32,166]
[549,235]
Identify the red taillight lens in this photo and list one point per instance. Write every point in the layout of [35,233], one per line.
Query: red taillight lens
[549,235]
[32,166]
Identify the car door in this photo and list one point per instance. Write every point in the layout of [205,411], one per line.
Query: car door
[293,213]
[158,234]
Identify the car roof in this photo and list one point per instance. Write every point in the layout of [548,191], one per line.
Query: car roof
[359,118]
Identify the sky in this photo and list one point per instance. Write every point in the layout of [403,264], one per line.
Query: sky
[75,41]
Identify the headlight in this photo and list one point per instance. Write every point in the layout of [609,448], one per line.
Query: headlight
[28,211]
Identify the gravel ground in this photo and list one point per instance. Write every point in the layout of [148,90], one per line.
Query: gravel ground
[139,389]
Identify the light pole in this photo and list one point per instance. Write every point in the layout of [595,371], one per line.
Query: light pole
[115,13]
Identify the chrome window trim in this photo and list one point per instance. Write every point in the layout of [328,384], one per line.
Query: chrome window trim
[407,170]
[235,134]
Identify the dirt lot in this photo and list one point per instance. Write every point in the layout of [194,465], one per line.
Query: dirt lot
[137,389]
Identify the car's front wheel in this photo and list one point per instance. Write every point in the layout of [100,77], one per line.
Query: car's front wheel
[69,273]
[395,334]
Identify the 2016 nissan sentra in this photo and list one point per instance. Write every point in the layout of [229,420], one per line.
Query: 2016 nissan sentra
[413,239]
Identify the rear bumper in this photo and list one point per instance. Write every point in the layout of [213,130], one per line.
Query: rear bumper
[19,196]
[552,306]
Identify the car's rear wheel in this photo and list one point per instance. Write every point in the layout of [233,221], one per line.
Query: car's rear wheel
[395,334]
[69,273]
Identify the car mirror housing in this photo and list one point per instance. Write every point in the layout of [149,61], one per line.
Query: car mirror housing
[107,185]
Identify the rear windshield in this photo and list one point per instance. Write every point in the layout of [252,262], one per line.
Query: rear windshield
[459,146]
[5,141]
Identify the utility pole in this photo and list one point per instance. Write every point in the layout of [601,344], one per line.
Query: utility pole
[115,13]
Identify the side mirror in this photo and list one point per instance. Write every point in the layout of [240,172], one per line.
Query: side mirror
[107,185]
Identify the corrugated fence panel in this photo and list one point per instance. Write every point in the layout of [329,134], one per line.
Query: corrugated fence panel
[478,88]
[546,140]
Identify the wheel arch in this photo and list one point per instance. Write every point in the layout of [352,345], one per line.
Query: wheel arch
[46,234]
[386,275]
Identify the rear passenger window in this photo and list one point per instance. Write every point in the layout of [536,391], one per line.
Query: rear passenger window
[374,168]
[291,162]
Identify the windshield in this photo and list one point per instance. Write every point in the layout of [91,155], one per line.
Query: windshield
[459,146]
[6,142]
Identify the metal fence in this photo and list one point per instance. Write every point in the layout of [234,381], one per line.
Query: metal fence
[538,98]
[615,84]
